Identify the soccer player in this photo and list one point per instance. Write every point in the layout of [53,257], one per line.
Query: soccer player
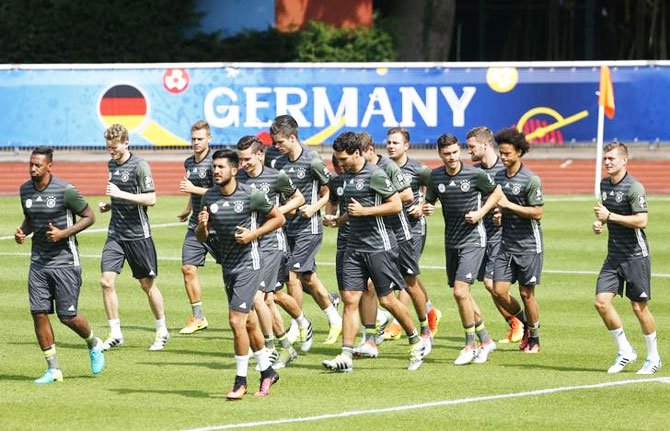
[521,251]
[480,145]
[410,249]
[233,210]
[131,189]
[304,229]
[49,206]
[624,210]
[370,196]
[459,188]
[197,180]
[278,187]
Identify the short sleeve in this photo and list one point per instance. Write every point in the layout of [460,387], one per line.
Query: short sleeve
[319,170]
[431,192]
[73,200]
[285,185]
[144,179]
[397,178]
[260,202]
[637,198]
[424,175]
[534,192]
[484,182]
[381,184]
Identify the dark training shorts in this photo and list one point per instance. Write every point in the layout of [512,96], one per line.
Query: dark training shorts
[270,268]
[59,285]
[634,274]
[241,286]
[463,264]
[194,252]
[140,254]
[524,268]
[488,264]
[409,253]
[302,252]
[380,266]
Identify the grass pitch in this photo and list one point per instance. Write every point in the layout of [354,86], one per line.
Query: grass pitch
[184,386]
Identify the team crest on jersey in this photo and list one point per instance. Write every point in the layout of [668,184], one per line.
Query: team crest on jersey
[29,203]
[202,173]
[618,197]
[408,178]
[125,176]
[465,185]
[604,196]
[300,173]
[265,187]
[360,183]
[148,182]
[516,189]
[339,191]
[441,188]
[238,206]
[51,201]
[214,208]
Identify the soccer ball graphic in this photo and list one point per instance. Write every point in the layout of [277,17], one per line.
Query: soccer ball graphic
[175,80]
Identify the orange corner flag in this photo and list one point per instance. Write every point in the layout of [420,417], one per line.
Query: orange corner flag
[606,97]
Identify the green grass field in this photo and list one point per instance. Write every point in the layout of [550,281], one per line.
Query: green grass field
[184,386]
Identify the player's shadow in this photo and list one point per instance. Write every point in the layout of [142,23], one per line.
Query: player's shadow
[196,353]
[553,367]
[211,365]
[81,345]
[183,393]
[16,377]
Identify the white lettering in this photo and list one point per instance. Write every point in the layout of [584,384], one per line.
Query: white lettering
[427,110]
[293,109]
[348,107]
[458,105]
[221,115]
[381,98]
[253,105]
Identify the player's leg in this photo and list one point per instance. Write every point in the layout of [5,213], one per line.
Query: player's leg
[41,305]
[368,312]
[315,287]
[287,353]
[193,255]
[532,323]
[111,263]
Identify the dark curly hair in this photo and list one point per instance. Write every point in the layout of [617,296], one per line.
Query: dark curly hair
[513,137]
[349,142]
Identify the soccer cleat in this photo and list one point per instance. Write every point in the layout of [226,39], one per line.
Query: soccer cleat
[485,349]
[434,316]
[341,364]
[194,324]
[393,332]
[533,346]
[159,342]
[467,355]
[417,352]
[273,355]
[112,342]
[515,332]
[270,379]
[293,332]
[428,342]
[335,299]
[366,350]
[97,358]
[524,341]
[650,366]
[621,360]
[333,333]
[379,330]
[50,375]
[286,356]
[237,392]
[306,337]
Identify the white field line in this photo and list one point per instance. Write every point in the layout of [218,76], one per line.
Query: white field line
[431,404]
[432,267]
[566,163]
[101,230]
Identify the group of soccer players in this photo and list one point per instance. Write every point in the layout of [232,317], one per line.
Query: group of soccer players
[257,212]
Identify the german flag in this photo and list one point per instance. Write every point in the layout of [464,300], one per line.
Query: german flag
[123,104]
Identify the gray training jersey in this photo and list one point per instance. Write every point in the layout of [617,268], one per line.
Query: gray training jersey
[460,193]
[627,197]
[308,173]
[521,235]
[416,175]
[201,174]
[226,212]
[493,232]
[56,204]
[335,197]
[398,223]
[129,221]
[278,187]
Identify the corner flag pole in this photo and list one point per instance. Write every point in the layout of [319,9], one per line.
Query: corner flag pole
[605,107]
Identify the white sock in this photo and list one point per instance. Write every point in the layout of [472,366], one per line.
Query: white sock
[263,359]
[621,341]
[160,326]
[382,316]
[652,348]
[429,305]
[301,321]
[242,363]
[115,328]
[334,319]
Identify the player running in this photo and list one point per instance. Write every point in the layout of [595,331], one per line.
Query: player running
[49,206]
[131,189]
[234,211]
[624,211]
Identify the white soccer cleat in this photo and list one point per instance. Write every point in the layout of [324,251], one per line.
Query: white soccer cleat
[112,342]
[341,364]
[293,332]
[273,355]
[467,355]
[650,366]
[159,342]
[286,356]
[484,351]
[622,359]
[366,350]
[417,352]
[306,337]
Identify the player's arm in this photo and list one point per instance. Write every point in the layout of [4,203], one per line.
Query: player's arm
[638,202]
[74,201]
[321,174]
[186,186]
[202,230]
[398,179]
[535,199]
[485,184]
[23,231]
[424,174]
[285,187]
[381,184]
[147,195]
[432,196]
[183,216]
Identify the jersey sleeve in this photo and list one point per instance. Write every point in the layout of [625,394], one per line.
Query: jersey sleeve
[637,198]
[397,178]
[431,191]
[534,192]
[260,202]
[285,185]
[144,178]
[332,185]
[424,175]
[381,184]
[73,200]
[319,171]
[484,182]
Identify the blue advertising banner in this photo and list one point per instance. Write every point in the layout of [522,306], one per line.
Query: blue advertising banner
[72,105]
